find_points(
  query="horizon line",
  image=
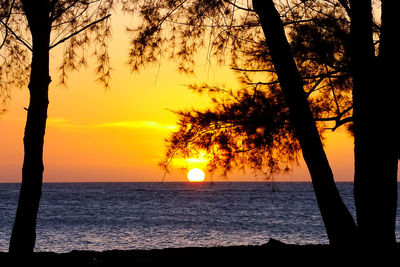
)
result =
(160, 182)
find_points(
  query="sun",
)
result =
(195, 175)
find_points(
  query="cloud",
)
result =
(137, 125)
(60, 122)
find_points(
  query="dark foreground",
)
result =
(274, 253)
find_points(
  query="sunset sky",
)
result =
(118, 134)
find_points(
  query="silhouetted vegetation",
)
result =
(297, 61)
(305, 66)
(30, 30)
(376, 116)
(273, 253)
(243, 129)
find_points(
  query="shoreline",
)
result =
(273, 253)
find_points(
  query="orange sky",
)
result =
(118, 134)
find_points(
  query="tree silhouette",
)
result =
(244, 128)
(30, 30)
(376, 116)
(338, 221)
(304, 51)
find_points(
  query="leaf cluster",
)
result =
(250, 127)
(178, 29)
(14, 66)
(77, 24)
(247, 128)
(84, 29)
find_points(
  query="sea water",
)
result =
(105, 216)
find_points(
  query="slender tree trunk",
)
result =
(389, 112)
(24, 231)
(375, 121)
(339, 223)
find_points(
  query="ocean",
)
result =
(106, 216)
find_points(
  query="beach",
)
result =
(273, 253)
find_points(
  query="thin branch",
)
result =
(16, 36)
(296, 22)
(8, 18)
(326, 119)
(81, 30)
(333, 92)
(249, 25)
(170, 13)
(250, 70)
(325, 75)
(341, 122)
(62, 11)
(71, 20)
(263, 83)
(314, 86)
(337, 117)
(239, 7)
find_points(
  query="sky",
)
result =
(117, 134)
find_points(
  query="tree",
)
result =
(376, 144)
(243, 129)
(338, 221)
(32, 29)
(304, 48)
(13, 70)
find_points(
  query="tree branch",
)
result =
(314, 86)
(239, 7)
(250, 70)
(25, 43)
(54, 16)
(79, 31)
(5, 23)
(337, 117)
(338, 121)
(344, 121)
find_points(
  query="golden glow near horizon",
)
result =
(94, 134)
(200, 162)
(196, 175)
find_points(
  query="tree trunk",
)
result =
(339, 223)
(375, 115)
(24, 231)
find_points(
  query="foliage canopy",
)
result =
(249, 126)
(77, 25)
